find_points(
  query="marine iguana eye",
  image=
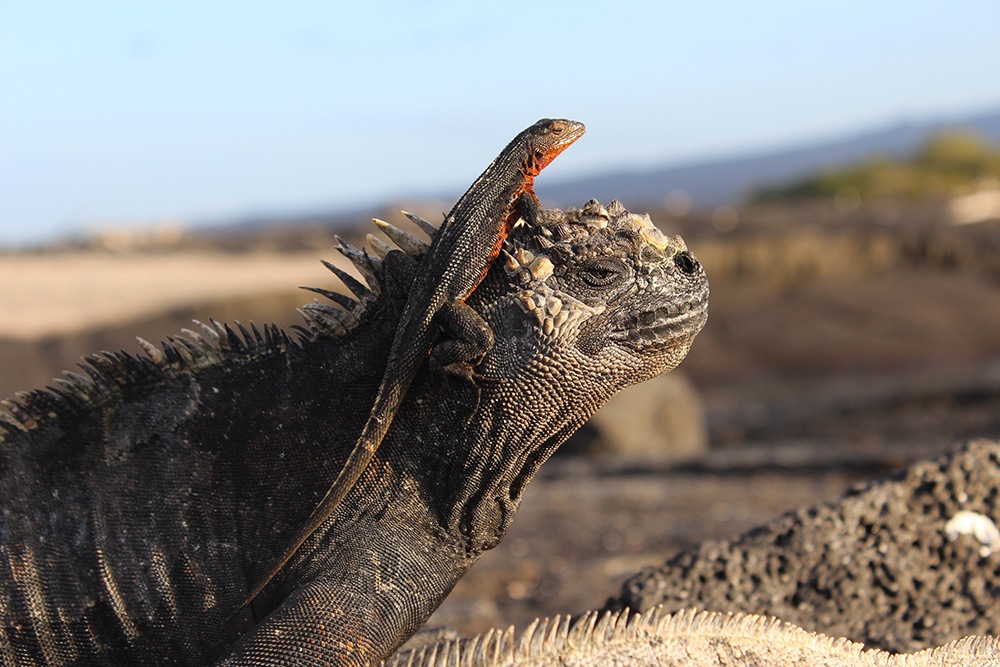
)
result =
(601, 272)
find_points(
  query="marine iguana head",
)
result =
(598, 293)
(581, 304)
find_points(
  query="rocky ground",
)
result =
(836, 351)
(906, 562)
(589, 523)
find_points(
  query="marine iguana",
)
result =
(459, 257)
(142, 502)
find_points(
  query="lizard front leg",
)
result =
(468, 339)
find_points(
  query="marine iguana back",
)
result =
(459, 257)
(141, 503)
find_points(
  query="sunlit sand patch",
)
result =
(68, 292)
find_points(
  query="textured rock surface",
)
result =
(877, 566)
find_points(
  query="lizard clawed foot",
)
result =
(528, 204)
(468, 339)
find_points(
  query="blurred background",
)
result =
(835, 167)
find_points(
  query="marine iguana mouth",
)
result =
(667, 324)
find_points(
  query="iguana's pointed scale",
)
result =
(194, 336)
(283, 336)
(427, 226)
(8, 421)
(76, 380)
(271, 338)
(408, 243)
(15, 407)
(332, 321)
(523, 648)
(258, 338)
(233, 339)
(369, 267)
(249, 342)
(378, 246)
(63, 398)
(193, 350)
(210, 332)
(97, 368)
(170, 353)
(493, 647)
(347, 302)
(64, 386)
(207, 345)
(584, 628)
(189, 353)
(152, 351)
(302, 335)
(350, 282)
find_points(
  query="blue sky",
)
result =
(138, 112)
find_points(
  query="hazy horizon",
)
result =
(119, 112)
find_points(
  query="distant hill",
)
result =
(707, 183)
(728, 180)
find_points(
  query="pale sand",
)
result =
(60, 293)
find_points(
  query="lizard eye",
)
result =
(601, 272)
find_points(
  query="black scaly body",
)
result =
(140, 504)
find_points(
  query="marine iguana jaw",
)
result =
(663, 326)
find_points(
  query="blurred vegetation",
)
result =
(947, 165)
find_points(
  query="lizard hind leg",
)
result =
(468, 338)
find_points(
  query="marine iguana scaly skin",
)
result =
(139, 506)
(459, 257)
(688, 638)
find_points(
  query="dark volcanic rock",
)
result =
(876, 566)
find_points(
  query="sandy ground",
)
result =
(68, 292)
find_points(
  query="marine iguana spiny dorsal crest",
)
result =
(140, 504)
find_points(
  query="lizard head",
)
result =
(548, 138)
(600, 293)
